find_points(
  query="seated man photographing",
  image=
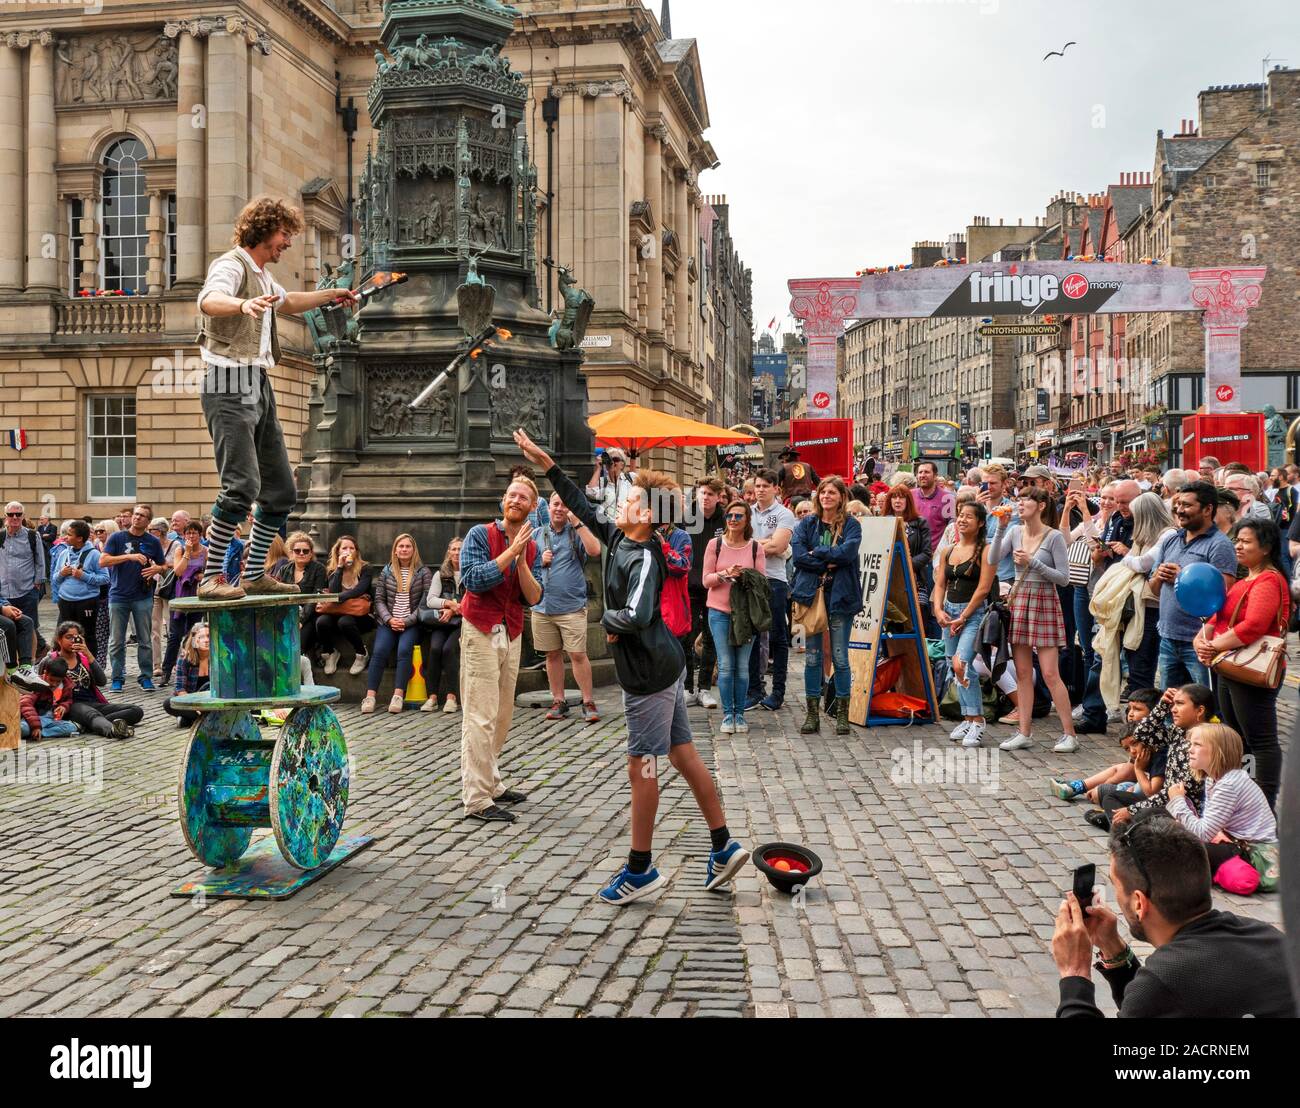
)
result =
(650, 664)
(1207, 964)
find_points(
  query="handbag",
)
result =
(357, 606)
(1265, 857)
(1261, 664)
(813, 618)
(1079, 556)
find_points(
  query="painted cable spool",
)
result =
(233, 779)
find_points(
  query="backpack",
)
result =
(31, 540)
(675, 601)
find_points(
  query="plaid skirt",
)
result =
(1036, 615)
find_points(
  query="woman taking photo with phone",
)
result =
(825, 555)
(1037, 626)
(962, 584)
(1257, 606)
(726, 557)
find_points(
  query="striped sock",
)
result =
(219, 535)
(258, 548)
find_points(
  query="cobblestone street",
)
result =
(936, 898)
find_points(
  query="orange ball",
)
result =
(782, 865)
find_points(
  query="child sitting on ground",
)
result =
(1236, 810)
(1143, 771)
(43, 712)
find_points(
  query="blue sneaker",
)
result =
(147, 684)
(753, 701)
(724, 864)
(772, 702)
(116, 686)
(728, 725)
(628, 886)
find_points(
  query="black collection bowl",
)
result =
(804, 865)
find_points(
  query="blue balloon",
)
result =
(1199, 590)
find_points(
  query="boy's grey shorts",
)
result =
(656, 722)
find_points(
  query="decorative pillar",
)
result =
(681, 210)
(42, 197)
(654, 194)
(1227, 295)
(11, 163)
(191, 126)
(823, 305)
(89, 258)
(156, 251)
(228, 126)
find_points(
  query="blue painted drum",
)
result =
(223, 786)
(309, 786)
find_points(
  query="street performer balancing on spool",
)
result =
(239, 303)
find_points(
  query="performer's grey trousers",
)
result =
(252, 462)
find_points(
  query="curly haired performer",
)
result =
(239, 303)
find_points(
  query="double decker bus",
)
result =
(934, 440)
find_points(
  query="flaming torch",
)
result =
(483, 341)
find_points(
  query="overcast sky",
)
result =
(849, 129)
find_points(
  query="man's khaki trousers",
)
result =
(489, 666)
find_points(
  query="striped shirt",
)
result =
(402, 601)
(1234, 805)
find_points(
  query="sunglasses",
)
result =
(302, 550)
(735, 517)
(1126, 838)
(14, 515)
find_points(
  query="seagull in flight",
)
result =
(1059, 53)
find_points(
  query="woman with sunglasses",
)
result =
(302, 568)
(729, 555)
(85, 676)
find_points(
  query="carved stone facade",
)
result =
(114, 68)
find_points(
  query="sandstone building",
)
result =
(130, 137)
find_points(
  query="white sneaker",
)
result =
(1077, 713)
(707, 699)
(1066, 744)
(959, 732)
(1017, 742)
(367, 705)
(692, 699)
(742, 728)
(728, 727)
(331, 663)
(359, 664)
(974, 737)
(1116, 715)
(430, 705)
(450, 706)
(396, 704)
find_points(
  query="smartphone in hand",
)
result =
(1085, 877)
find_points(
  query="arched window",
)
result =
(126, 208)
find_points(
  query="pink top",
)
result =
(749, 556)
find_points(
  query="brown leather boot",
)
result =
(266, 585)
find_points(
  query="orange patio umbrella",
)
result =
(633, 427)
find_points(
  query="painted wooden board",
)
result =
(269, 600)
(226, 762)
(887, 578)
(255, 651)
(263, 874)
(207, 702)
(10, 716)
(309, 786)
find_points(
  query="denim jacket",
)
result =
(812, 560)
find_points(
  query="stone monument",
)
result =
(446, 197)
(1275, 435)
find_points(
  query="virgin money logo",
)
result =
(1224, 393)
(821, 400)
(1075, 286)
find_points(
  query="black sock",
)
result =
(720, 836)
(638, 861)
